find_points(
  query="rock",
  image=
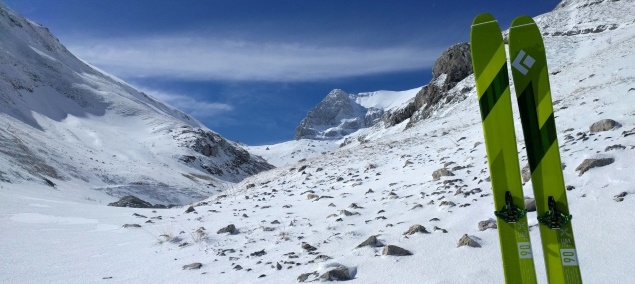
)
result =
(440, 229)
(278, 266)
(131, 201)
(190, 209)
(395, 250)
(526, 173)
(620, 197)
(312, 196)
(436, 175)
(338, 274)
(588, 164)
(372, 241)
(530, 205)
(192, 266)
(258, 253)
(447, 203)
(416, 229)
(451, 67)
(467, 241)
(570, 187)
(303, 277)
(348, 213)
(487, 224)
(308, 247)
(131, 226)
(614, 147)
(231, 229)
(604, 125)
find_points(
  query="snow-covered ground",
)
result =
(68, 234)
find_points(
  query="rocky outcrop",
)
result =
(217, 156)
(452, 67)
(131, 201)
(334, 117)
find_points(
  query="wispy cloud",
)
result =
(197, 108)
(212, 59)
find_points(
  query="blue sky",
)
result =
(251, 70)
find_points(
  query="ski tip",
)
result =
(483, 18)
(522, 21)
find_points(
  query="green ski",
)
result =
(531, 81)
(492, 85)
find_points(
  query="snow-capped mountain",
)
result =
(62, 120)
(341, 114)
(334, 212)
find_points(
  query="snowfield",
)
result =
(310, 214)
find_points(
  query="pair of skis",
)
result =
(531, 80)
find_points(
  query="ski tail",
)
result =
(531, 81)
(492, 84)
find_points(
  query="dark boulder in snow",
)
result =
(530, 205)
(231, 229)
(436, 175)
(192, 266)
(416, 229)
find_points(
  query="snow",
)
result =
(68, 234)
(385, 100)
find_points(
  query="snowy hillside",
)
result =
(63, 121)
(340, 213)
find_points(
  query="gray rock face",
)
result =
(604, 125)
(588, 164)
(217, 156)
(131, 201)
(334, 117)
(396, 251)
(451, 67)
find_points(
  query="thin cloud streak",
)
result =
(196, 108)
(226, 60)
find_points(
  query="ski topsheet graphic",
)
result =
(531, 81)
(492, 84)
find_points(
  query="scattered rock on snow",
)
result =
(440, 229)
(620, 197)
(526, 173)
(436, 175)
(416, 229)
(614, 147)
(312, 196)
(131, 226)
(396, 251)
(530, 205)
(604, 125)
(588, 164)
(304, 276)
(192, 266)
(131, 201)
(190, 209)
(487, 224)
(231, 229)
(341, 273)
(308, 247)
(468, 241)
(372, 241)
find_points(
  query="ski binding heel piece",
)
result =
(553, 218)
(510, 212)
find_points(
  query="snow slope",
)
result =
(63, 121)
(65, 236)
